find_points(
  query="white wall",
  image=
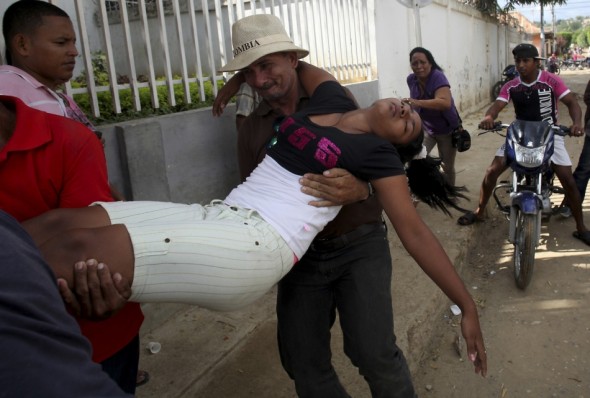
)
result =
(471, 48)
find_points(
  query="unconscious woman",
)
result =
(430, 95)
(228, 254)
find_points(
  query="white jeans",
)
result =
(215, 256)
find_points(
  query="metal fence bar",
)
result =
(209, 41)
(199, 66)
(130, 58)
(114, 88)
(167, 64)
(183, 68)
(148, 50)
(87, 58)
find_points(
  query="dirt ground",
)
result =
(538, 340)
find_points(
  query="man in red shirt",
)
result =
(40, 46)
(47, 162)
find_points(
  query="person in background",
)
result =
(41, 55)
(43, 352)
(535, 94)
(430, 95)
(582, 171)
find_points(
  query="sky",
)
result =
(572, 9)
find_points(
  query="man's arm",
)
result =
(225, 93)
(575, 113)
(587, 102)
(97, 294)
(335, 187)
(44, 352)
(491, 114)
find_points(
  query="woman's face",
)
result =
(394, 121)
(420, 65)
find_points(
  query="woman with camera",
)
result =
(430, 95)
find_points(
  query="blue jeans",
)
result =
(122, 367)
(354, 280)
(582, 172)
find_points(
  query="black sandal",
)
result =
(583, 236)
(142, 378)
(468, 218)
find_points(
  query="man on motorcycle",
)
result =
(535, 94)
(552, 63)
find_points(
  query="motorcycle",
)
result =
(525, 200)
(508, 74)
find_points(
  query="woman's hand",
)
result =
(476, 351)
(335, 187)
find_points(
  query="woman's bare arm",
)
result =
(424, 247)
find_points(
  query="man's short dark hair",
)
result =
(25, 16)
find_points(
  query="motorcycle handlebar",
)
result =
(499, 126)
(561, 130)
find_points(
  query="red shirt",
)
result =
(52, 162)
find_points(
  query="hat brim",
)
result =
(245, 59)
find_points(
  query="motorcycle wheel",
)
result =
(557, 70)
(496, 90)
(524, 248)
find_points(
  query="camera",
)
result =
(461, 139)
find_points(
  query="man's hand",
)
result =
(487, 123)
(335, 187)
(96, 294)
(576, 130)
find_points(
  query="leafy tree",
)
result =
(563, 42)
(545, 3)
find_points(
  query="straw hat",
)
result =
(255, 36)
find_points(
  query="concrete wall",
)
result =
(471, 48)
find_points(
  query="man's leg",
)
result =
(110, 245)
(57, 221)
(122, 366)
(582, 172)
(493, 172)
(564, 173)
(306, 312)
(363, 300)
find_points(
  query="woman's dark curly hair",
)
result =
(426, 180)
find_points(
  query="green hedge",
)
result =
(108, 115)
(105, 103)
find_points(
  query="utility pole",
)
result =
(542, 32)
(553, 28)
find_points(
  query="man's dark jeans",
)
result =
(356, 281)
(582, 172)
(122, 367)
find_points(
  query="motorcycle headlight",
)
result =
(529, 157)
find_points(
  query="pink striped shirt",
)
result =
(18, 83)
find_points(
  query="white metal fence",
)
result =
(175, 46)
